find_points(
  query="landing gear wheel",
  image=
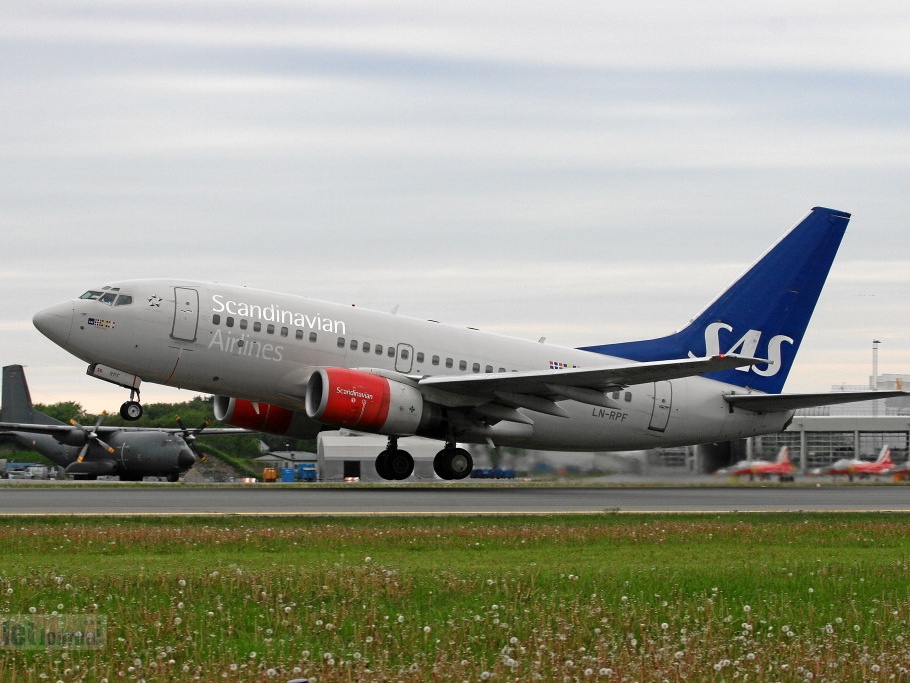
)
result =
(394, 465)
(382, 466)
(131, 410)
(453, 463)
(173, 478)
(400, 464)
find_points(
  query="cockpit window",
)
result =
(109, 296)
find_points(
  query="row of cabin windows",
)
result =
(420, 357)
(366, 347)
(244, 324)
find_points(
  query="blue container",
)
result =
(287, 474)
(306, 471)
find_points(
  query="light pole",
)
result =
(875, 343)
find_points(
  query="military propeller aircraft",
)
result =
(87, 452)
(781, 468)
(290, 365)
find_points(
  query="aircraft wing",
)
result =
(103, 429)
(215, 431)
(775, 403)
(611, 378)
(35, 428)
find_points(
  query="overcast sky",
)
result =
(587, 171)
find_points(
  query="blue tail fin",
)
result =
(763, 314)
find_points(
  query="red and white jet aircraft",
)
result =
(863, 469)
(763, 469)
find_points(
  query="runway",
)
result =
(264, 499)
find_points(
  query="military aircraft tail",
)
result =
(16, 403)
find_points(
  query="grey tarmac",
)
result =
(314, 500)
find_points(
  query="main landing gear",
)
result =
(394, 464)
(453, 462)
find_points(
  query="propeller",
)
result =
(91, 435)
(189, 435)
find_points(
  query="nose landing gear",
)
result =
(132, 409)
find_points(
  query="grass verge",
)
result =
(780, 597)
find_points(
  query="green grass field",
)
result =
(733, 597)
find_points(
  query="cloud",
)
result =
(587, 172)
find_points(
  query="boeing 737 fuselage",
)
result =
(291, 365)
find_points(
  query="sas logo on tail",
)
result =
(747, 345)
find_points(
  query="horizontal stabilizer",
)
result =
(775, 403)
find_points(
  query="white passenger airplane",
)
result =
(291, 365)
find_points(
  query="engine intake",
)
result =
(361, 400)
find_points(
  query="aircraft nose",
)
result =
(185, 459)
(55, 322)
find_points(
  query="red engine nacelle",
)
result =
(264, 417)
(361, 400)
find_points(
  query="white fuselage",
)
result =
(263, 346)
